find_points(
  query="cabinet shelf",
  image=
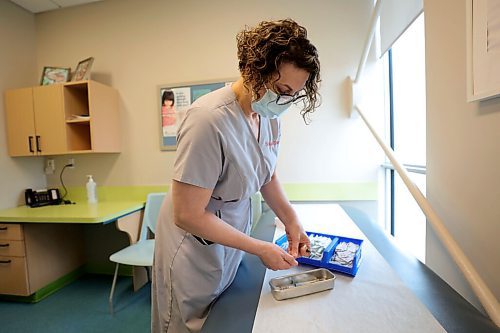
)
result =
(77, 121)
(78, 135)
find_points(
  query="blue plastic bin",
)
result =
(328, 253)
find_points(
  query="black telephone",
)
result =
(38, 198)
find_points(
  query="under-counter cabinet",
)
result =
(65, 118)
(34, 255)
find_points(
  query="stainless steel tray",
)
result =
(303, 283)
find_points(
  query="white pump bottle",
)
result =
(91, 190)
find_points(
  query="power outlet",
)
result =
(71, 162)
(50, 166)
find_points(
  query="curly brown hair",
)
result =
(262, 49)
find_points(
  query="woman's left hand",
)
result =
(298, 242)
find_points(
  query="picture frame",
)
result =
(173, 102)
(483, 49)
(51, 75)
(82, 71)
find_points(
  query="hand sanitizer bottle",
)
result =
(91, 190)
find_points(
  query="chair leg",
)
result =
(113, 290)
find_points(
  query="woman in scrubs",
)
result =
(227, 148)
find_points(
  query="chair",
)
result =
(140, 253)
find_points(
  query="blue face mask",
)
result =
(267, 106)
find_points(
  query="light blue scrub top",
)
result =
(216, 150)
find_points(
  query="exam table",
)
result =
(236, 308)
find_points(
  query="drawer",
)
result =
(11, 231)
(12, 248)
(13, 276)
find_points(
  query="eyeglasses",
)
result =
(284, 99)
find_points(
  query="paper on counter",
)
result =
(376, 300)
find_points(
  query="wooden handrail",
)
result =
(486, 297)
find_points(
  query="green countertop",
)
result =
(114, 202)
(81, 212)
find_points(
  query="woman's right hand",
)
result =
(275, 258)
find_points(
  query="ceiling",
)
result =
(38, 6)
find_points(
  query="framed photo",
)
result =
(174, 100)
(82, 71)
(52, 75)
(483, 49)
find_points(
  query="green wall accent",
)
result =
(117, 193)
(331, 191)
(294, 191)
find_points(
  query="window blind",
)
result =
(395, 17)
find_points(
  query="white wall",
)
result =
(463, 153)
(140, 44)
(17, 69)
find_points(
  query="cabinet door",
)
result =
(20, 122)
(104, 123)
(49, 119)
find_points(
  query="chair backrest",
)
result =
(151, 212)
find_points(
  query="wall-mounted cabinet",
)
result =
(68, 118)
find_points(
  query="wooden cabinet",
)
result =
(34, 255)
(68, 118)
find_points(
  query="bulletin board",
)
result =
(174, 100)
(483, 49)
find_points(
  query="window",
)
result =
(405, 63)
